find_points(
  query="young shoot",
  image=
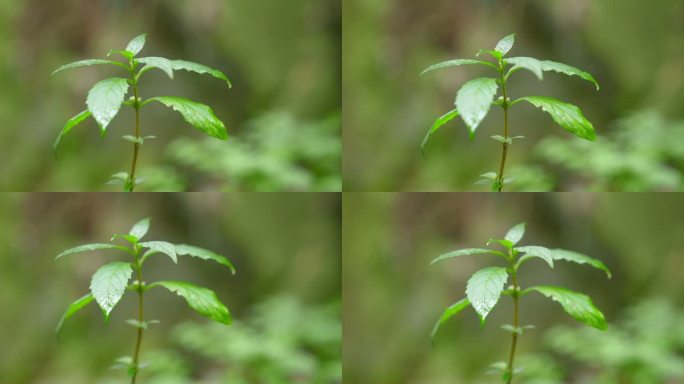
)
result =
(476, 96)
(485, 287)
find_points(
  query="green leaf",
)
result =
(133, 139)
(484, 289)
(183, 65)
(531, 64)
(160, 246)
(568, 116)
(494, 53)
(73, 308)
(503, 242)
(191, 250)
(531, 251)
(447, 314)
(539, 66)
(198, 115)
(474, 100)
(504, 45)
(466, 252)
(85, 63)
(436, 126)
(139, 229)
(202, 300)
(105, 98)
(454, 63)
(136, 45)
(161, 63)
(74, 121)
(127, 54)
(109, 284)
(575, 304)
(574, 257)
(91, 247)
(130, 238)
(518, 330)
(515, 234)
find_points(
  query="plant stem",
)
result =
(504, 105)
(136, 146)
(516, 324)
(141, 317)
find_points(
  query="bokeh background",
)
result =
(285, 298)
(635, 49)
(392, 297)
(282, 115)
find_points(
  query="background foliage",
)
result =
(283, 59)
(386, 104)
(285, 298)
(392, 297)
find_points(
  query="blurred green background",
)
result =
(282, 115)
(634, 48)
(392, 297)
(285, 298)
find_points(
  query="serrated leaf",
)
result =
(474, 100)
(161, 63)
(436, 126)
(465, 252)
(530, 63)
(484, 289)
(515, 234)
(455, 63)
(84, 63)
(575, 304)
(574, 257)
(504, 45)
(198, 115)
(136, 45)
(139, 229)
(447, 314)
(202, 300)
(568, 116)
(105, 98)
(191, 250)
(539, 66)
(535, 251)
(189, 66)
(72, 309)
(90, 247)
(74, 121)
(160, 246)
(109, 284)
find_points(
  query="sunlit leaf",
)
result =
(91, 247)
(85, 63)
(568, 116)
(105, 98)
(139, 229)
(198, 115)
(574, 257)
(201, 253)
(454, 63)
(202, 300)
(504, 45)
(575, 304)
(109, 284)
(136, 45)
(466, 252)
(199, 68)
(474, 100)
(484, 289)
(515, 234)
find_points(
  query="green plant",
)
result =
(106, 97)
(476, 96)
(110, 282)
(485, 287)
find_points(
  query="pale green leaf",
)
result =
(202, 300)
(515, 234)
(494, 53)
(436, 126)
(161, 63)
(548, 65)
(575, 304)
(568, 116)
(198, 115)
(127, 54)
(105, 98)
(531, 251)
(456, 62)
(484, 289)
(504, 45)
(531, 64)
(74, 121)
(139, 229)
(447, 314)
(574, 257)
(91, 247)
(465, 252)
(109, 284)
(73, 308)
(474, 100)
(136, 45)
(85, 63)
(160, 246)
(201, 253)
(199, 68)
